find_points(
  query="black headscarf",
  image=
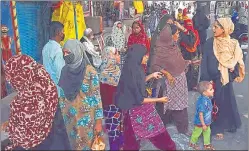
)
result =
(200, 19)
(160, 26)
(131, 89)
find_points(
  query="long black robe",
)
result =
(228, 118)
(193, 70)
(201, 23)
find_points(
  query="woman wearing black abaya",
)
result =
(201, 24)
(222, 63)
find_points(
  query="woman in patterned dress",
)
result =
(141, 118)
(119, 40)
(81, 102)
(109, 78)
(167, 58)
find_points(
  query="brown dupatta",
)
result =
(167, 56)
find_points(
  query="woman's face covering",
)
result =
(217, 29)
(176, 36)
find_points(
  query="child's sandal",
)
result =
(209, 147)
(194, 146)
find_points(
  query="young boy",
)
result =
(203, 116)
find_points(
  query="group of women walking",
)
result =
(120, 93)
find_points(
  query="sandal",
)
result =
(194, 146)
(219, 136)
(209, 147)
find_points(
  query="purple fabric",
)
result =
(146, 121)
(162, 141)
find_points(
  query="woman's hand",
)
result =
(157, 75)
(171, 79)
(179, 26)
(231, 70)
(196, 62)
(98, 126)
(4, 126)
(163, 100)
(117, 57)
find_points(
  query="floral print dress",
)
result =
(80, 114)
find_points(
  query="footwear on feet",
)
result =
(209, 147)
(194, 146)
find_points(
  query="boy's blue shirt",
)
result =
(204, 105)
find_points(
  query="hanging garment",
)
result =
(65, 15)
(139, 6)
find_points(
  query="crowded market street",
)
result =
(94, 92)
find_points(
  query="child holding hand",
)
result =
(203, 116)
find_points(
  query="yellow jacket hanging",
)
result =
(65, 15)
(139, 6)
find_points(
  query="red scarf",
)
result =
(197, 38)
(140, 38)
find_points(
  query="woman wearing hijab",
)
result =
(201, 24)
(119, 40)
(109, 78)
(141, 118)
(80, 102)
(167, 58)
(32, 111)
(139, 36)
(91, 51)
(165, 20)
(189, 44)
(222, 63)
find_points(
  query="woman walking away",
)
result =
(139, 36)
(81, 104)
(201, 24)
(222, 63)
(32, 112)
(109, 78)
(189, 44)
(141, 118)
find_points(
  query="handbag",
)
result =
(98, 143)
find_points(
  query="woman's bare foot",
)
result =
(194, 146)
(219, 136)
(209, 147)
